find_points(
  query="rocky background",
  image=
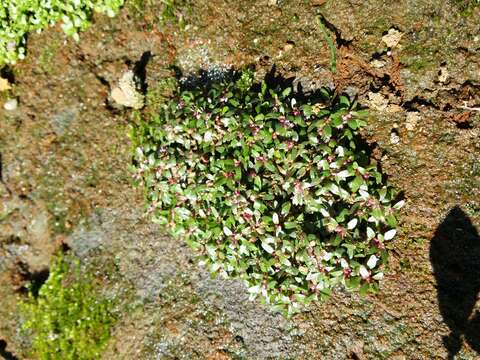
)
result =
(65, 179)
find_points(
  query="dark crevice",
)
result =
(417, 102)
(447, 107)
(102, 80)
(465, 125)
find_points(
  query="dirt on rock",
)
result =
(65, 180)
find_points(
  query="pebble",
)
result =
(4, 84)
(394, 108)
(11, 104)
(288, 47)
(412, 120)
(443, 74)
(394, 138)
(392, 38)
(378, 64)
(377, 101)
(126, 93)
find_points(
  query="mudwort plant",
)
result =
(268, 186)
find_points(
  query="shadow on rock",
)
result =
(4, 354)
(455, 256)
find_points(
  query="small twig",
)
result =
(468, 107)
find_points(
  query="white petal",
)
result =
(343, 174)
(364, 273)
(267, 248)
(390, 234)
(340, 151)
(275, 218)
(325, 255)
(399, 205)
(208, 136)
(363, 194)
(370, 233)
(243, 250)
(227, 231)
(351, 224)
(324, 212)
(372, 262)
(254, 289)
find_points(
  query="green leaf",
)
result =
(356, 183)
(286, 208)
(327, 130)
(258, 182)
(286, 92)
(290, 225)
(353, 124)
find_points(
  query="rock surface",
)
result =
(65, 156)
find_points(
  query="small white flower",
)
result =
(399, 205)
(372, 262)
(325, 255)
(208, 136)
(364, 273)
(343, 174)
(275, 219)
(340, 151)
(351, 224)
(267, 248)
(390, 234)
(370, 233)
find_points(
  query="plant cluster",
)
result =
(66, 319)
(19, 17)
(268, 186)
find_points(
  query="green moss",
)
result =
(66, 318)
(47, 56)
(466, 7)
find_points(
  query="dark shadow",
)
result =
(140, 70)
(4, 354)
(7, 73)
(33, 280)
(455, 257)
